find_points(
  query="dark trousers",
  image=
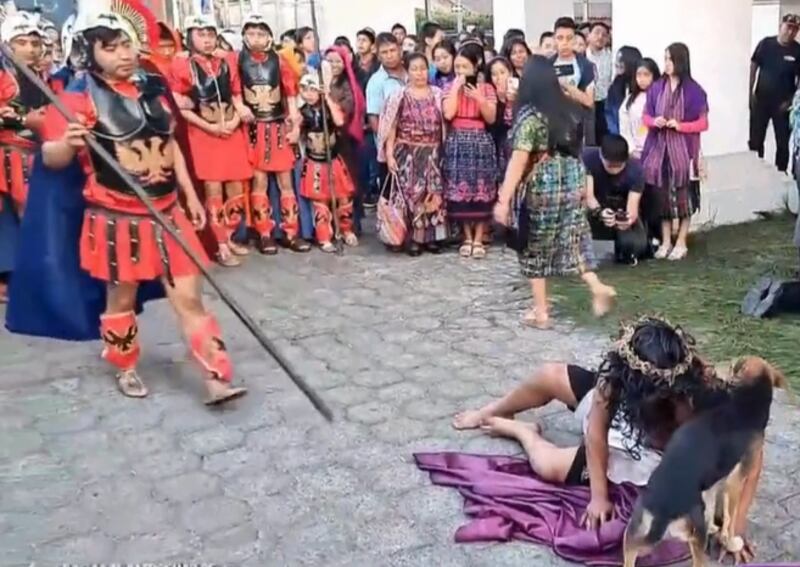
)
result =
(760, 116)
(600, 125)
(629, 245)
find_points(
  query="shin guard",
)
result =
(120, 335)
(209, 350)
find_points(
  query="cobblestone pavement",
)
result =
(396, 345)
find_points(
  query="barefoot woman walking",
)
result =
(546, 160)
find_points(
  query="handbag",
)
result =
(392, 214)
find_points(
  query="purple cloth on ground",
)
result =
(507, 501)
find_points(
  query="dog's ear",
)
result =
(779, 380)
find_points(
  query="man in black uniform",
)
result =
(774, 73)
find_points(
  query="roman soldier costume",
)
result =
(212, 82)
(268, 82)
(120, 241)
(318, 172)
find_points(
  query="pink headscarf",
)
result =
(356, 127)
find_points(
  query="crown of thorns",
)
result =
(624, 348)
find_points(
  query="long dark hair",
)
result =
(640, 404)
(623, 84)
(509, 46)
(651, 66)
(473, 52)
(541, 90)
(681, 61)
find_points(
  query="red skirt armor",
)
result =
(314, 184)
(15, 167)
(219, 159)
(269, 150)
(127, 248)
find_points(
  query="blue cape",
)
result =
(49, 294)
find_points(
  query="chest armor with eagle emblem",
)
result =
(261, 83)
(27, 99)
(314, 133)
(212, 94)
(138, 132)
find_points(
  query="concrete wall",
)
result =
(533, 16)
(720, 63)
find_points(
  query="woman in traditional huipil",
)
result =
(676, 113)
(470, 161)
(546, 160)
(413, 151)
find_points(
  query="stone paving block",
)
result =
(213, 515)
(215, 440)
(94, 548)
(15, 444)
(154, 547)
(188, 488)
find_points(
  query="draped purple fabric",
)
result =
(507, 501)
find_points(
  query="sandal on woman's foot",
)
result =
(350, 239)
(327, 247)
(220, 392)
(238, 249)
(414, 250)
(226, 258)
(678, 253)
(131, 385)
(466, 250)
(534, 320)
(478, 251)
(267, 246)
(299, 245)
(662, 253)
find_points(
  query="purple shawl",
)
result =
(687, 104)
(506, 501)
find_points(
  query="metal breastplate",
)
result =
(27, 99)
(261, 86)
(138, 133)
(211, 94)
(314, 134)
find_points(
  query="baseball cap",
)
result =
(792, 20)
(310, 81)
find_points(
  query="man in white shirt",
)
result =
(598, 52)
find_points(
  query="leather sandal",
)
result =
(238, 249)
(267, 246)
(299, 245)
(220, 392)
(131, 385)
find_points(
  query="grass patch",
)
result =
(704, 292)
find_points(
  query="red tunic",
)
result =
(16, 153)
(120, 241)
(214, 159)
(269, 150)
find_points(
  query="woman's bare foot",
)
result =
(603, 300)
(470, 419)
(511, 428)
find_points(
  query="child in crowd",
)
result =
(315, 183)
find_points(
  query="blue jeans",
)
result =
(303, 204)
(368, 176)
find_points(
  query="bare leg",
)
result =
(550, 462)
(666, 240)
(683, 233)
(549, 382)
(479, 249)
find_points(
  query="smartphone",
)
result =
(621, 216)
(472, 80)
(564, 70)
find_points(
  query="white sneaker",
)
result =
(678, 253)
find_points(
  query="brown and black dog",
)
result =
(705, 465)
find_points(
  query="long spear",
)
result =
(226, 297)
(328, 155)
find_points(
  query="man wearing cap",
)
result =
(269, 108)
(774, 73)
(216, 139)
(20, 111)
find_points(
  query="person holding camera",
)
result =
(615, 186)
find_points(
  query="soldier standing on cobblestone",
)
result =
(121, 244)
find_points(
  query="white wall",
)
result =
(720, 61)
(346, 17)
(766, 19)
